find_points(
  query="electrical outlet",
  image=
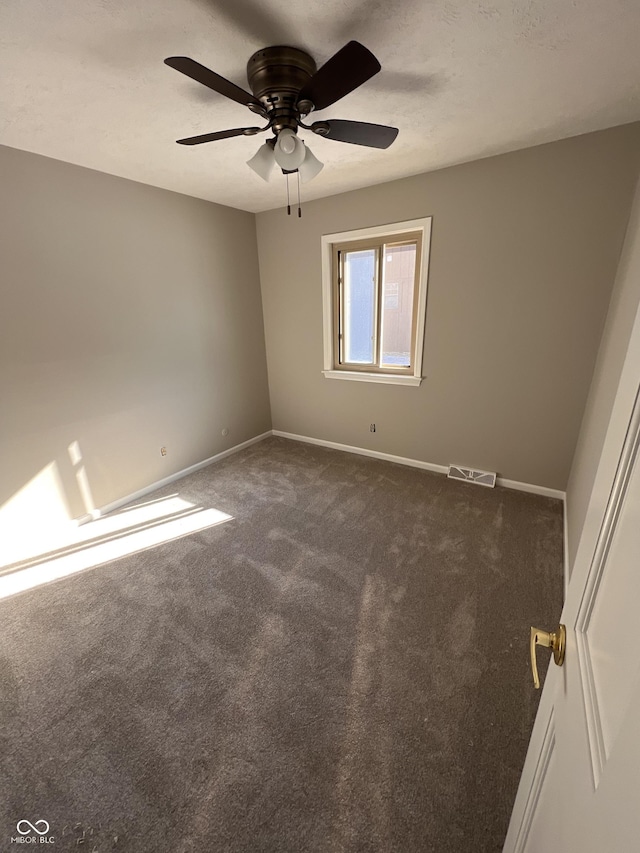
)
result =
(372, 427)
(163, 451)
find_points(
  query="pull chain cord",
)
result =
(288, 202)
(299, 208)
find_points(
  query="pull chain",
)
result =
(288, 202)
(299, 208)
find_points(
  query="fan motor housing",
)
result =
(276, 75)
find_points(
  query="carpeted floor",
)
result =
(341, 667)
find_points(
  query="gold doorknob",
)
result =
(556, 641)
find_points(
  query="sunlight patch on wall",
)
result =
(36, 519)
(75, 455)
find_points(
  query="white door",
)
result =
(580, 788)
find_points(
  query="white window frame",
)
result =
(327, 242)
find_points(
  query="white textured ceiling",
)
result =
(84, 81)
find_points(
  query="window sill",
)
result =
(384, 378)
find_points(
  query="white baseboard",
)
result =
(363, 451)
(418, 463)
(333, 445)
(110, 507)
(532, 488)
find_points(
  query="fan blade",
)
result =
(349, 68)
(357, 132)
(220, 134)
(209, 78)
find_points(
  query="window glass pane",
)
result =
(398, 281)
(359, 306)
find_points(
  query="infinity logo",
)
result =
(32, 827)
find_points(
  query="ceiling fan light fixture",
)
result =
(286, 86)
(310, 166)
(289, 150)
(263, 161)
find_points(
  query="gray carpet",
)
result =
(342, 667)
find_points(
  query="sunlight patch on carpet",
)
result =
(111, 537)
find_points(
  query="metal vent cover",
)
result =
(472, 475)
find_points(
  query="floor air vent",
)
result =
(482, 478)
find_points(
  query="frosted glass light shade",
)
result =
(291, 155)
(289, 150)
(310, 166)
(263, 162)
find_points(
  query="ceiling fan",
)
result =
(286, 87)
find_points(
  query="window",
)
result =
(374, 302)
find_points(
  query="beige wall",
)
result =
(130, 318)
(524, 252)
(613, 348)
